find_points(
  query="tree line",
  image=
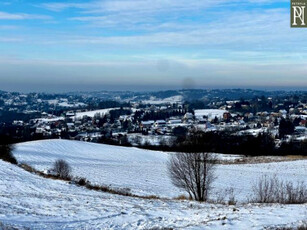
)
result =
(228, 143)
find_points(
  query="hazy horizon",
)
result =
(152, 89)
(146, 45)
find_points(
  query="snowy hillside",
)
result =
(144, 171)
(29, 201)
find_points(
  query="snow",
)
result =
(94, 112)
(303, 138)
(53, 102)
(174, 99)
(68, 105)
(168, 100)
(143, 171)
(254, 132)
(52, 119)
(29, 201)
(210, 113)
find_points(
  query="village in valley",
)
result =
(153, 119)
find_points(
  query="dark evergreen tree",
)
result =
(286, 127)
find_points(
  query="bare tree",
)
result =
(62, 169)
(193, 172)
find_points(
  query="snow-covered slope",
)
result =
(29, 201)
(144, 171)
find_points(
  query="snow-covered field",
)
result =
(31, 202)
(210, 113)
(168, 100)
(68, 105)
(93, 113)
(144, 171)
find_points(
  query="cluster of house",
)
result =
(90, 126)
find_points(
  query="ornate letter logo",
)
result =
(298, 13)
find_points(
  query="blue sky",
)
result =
(149, 45)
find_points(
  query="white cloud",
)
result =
(8, 27)
(148, 6)
(127, 5)
(4, 39)
(20, 16)
(266, 29)
(60, 6)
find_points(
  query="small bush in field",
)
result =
(226, 196)
(62, 169)
(82, 182)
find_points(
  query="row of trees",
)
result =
(162, 115)
(228, 143)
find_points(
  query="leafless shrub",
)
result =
(220, 198)
(82, 181)
(62, 169)
(193, 172)
(226, 196)
(274, 190)
(231, 197)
